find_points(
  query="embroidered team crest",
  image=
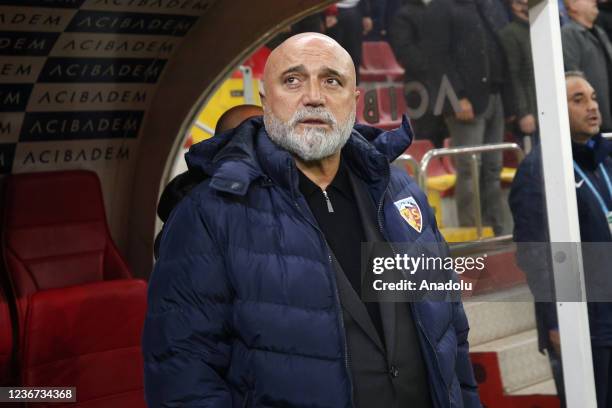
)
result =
(410, 211)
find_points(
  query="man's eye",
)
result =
(291, 80)
(333, 81)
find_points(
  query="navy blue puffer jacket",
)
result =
(243, 309)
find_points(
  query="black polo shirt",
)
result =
(343, 228)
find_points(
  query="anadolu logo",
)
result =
(411, 213)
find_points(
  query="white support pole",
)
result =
(562, 210)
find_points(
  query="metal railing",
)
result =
(474, 152)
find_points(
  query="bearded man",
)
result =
(255, 299)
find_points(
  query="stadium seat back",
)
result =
(378, 62)
(6, 340)
(388, 105)
(419, 147)
(55, 232)
(87, 337)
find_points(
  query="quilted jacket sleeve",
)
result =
(186, 344)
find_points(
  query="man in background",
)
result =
(587, 48)
(419, 35)
(593, 171)
(516, 41)
(477, 74)
(354, 22)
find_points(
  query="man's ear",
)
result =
(357, 94)
(262, 92)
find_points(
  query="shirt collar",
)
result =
(341, 182)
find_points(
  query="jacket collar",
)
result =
(237, 158)
(582, 28)
(576, 24)
(590, 154)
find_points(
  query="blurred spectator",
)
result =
(419, 35)
(383, 12)
(586, 48)
(563, 17)
(477, 75)
(331, 17)
(593, 170)
(314, 23)
(377, 13)
(496, 13)
(516, 42)
(604, 19)
(392, 7)
(354, 21)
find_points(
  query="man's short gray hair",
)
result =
(574, 74)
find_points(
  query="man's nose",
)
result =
(313, 95)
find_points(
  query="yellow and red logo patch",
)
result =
(411, 213)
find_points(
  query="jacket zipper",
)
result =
(330, 208)
(337, 295)
(338, 304)
(379, 217)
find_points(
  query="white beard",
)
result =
(314, 143)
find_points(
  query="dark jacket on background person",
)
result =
(590, 51)
(528, 204)
(452, 38)
(478, 66)
(420, 36)
(516, 41)
(604, 18)
(243, 305)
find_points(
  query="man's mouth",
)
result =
(314, 122)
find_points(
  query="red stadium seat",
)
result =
(256, 61)
(368, 107)
(378, 63)
(6, 341)
(390, 117)
(509, 157)
(56, 233)
(88, 337)
(80, 314)
(400, 99)
(418, 148)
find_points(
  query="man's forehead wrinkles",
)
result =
(318, 70)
